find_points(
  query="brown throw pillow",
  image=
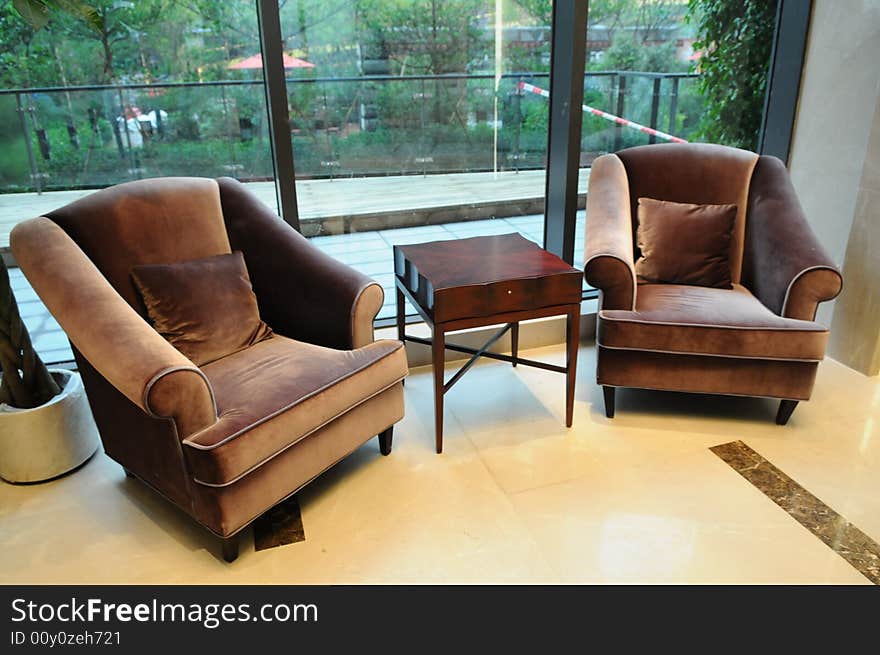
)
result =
(206, 307)
(685, 244)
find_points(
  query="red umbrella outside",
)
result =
(256, 61)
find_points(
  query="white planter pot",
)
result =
(47, 441)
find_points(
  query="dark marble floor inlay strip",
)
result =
(841, 536)
(280, 526)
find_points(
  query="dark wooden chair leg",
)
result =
(385, 441)
(609, 401)
(230, 548)
(786, 408)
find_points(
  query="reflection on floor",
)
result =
(515, 497)
(368, 252)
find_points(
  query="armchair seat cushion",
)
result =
(672, 318)
(278, 392)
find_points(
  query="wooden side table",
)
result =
(468, 283)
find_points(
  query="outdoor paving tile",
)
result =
(360, 245)
(403, 239)
(341, 238)
(364, 257)
(386, 280)
(372, 268)
(473, 225)
(390, 311)
(486, 230)
(25, 294)
(418, 229)
(525, 221)
(31, 308)
(40, 323)
(18, 284)
(60, 355)
(17, 278)
(50, 341)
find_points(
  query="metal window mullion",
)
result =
(567, 63)
(275, 85)
(784, 77)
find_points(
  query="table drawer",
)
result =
(506, 296)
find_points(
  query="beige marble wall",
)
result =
(831, 160)
(855, 328)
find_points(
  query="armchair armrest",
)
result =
(608, 244)
(784, 264)
(303, 293)
(116, 341)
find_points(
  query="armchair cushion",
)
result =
(205, 308)
(683, 243)
(276, 393)
(701, 321)
(329, 304)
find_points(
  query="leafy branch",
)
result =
(37, 13)
(735, 37)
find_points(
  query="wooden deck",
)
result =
(356, 221)
(347, 205)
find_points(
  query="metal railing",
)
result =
(340, 126)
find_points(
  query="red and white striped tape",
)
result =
(525, 86)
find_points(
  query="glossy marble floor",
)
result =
(515, 497)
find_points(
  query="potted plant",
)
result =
(46, 426)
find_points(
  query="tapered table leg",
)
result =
(401, 315)
(514, 342)
(438, 359)
(573, 333)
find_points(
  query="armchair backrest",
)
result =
(698, 173)
(153, 221)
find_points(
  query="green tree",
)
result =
(625, 54)
(541, 10)
(736, 38)
(24, 57)
(629, 54)
(37, 13)
(428, 38)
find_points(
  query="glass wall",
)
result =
(409, 123)
(693, 71)
(673, 70)
(410, 120)
(156, 89)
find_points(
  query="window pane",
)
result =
(162, 89)
(692, 71)
(166, 96)
(409, 124)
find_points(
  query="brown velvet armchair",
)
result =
(758, 338)
(228, 440)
